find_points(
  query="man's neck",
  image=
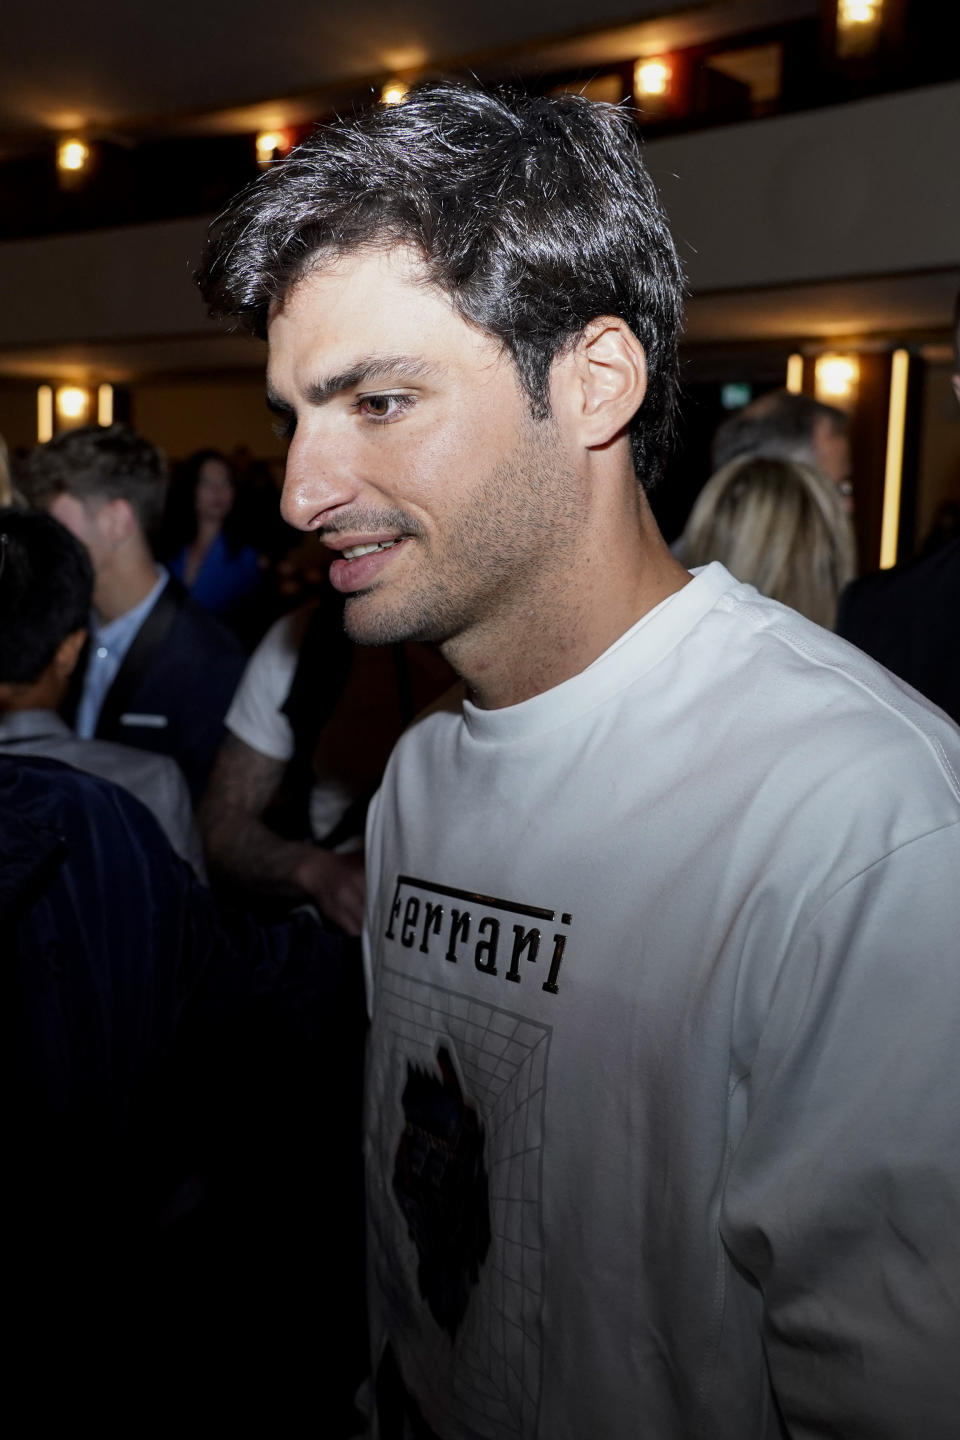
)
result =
(123, 584)
(45, 693)
(559, 633)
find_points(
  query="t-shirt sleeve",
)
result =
(255, 716)
(842, 1200)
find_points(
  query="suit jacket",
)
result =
(155, 780)
(173, 689)
(132, 1012)
(908, 618)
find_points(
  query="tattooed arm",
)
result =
(244, 850)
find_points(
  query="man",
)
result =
(46, 586)
(790, 427)
(908, 617)
(309, 732)
(662, 918)
(137, 1021)
(161, 672)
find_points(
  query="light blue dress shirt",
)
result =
(108, 647)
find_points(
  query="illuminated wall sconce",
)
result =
(795, 374)
(44, 413)
(893, 468)
(651, 78)
(73, 403)
(104, 404)
(73, 155)
(271, 144)
(858, 26)
(835, 379)
(394, 92)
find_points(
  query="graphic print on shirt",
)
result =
(478, 928)
(494, 1065)
(441, 1184)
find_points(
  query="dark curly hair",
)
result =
(179, 524)
(96, 462)
(46, 587)
(534, 215)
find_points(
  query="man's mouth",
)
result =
(355, 551)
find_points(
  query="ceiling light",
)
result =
(835, 377)
(858, 12)
(651, 77)
(858, 26)
(72, 402)
(72, 154)
(270, 144)
(394, 92)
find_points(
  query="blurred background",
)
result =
(806, 149)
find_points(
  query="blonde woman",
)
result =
(778, 525)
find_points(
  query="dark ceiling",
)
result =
(126, 68)
(120, 65)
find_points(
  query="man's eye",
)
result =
(285, 427)
(384, 407)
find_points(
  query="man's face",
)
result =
(84, 519)
(415, 457)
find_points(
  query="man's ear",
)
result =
(68, 653)
(605, 377)
(117, 520)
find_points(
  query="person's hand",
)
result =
(336, 883)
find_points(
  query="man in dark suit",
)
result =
(160, 672)
(908, 618)
(154, 1048)
(46, 584)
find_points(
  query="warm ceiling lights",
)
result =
(835, 378)
(651, 77)
(72, 155)
(858, 26)
(72, 402)
(394, 92)
(270, 144)
(858, 12)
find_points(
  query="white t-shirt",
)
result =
(255, 715)
(663, 1094)
(366, 717)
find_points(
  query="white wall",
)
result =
(868, 188)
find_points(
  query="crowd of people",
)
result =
(656, 874)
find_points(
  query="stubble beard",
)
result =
(490, 572)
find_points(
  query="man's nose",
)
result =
(317, 482)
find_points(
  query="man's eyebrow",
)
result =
(379, 368)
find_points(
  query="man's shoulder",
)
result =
(47, 793)
(137, 770)
(841, 721)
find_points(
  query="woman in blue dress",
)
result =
(204, 542)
